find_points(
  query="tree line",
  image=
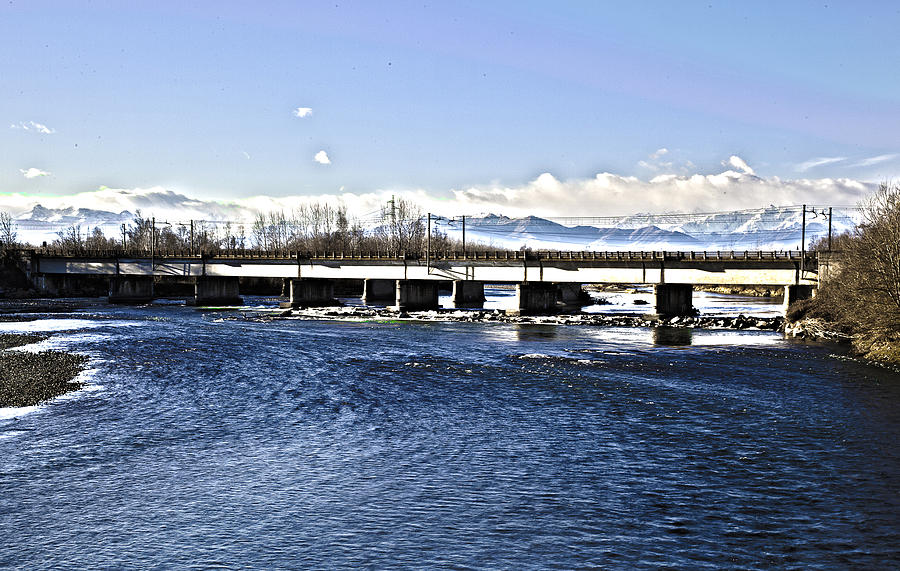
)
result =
(400, 228)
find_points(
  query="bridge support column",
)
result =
(375, 291)
(311, 292)
(673, 299)
(571, 296)
(468, 293)
(56, 285)
(131, 289)
(417, 295)
(535, 298)
(217, 290)
(794, 293)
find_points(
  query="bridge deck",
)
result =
(712, 268)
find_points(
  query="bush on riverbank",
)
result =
(27, 379)
(862, 299)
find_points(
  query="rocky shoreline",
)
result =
(740, 322)
(881, 351)
(815, 329)
(27, 378)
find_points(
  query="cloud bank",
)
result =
(605, 194)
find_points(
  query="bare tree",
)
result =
(8, 237)
(863, 296)
(871, 276)
(97, 240)
(403, 227)
(70, 239)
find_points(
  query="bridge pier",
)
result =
(131, 289)
(312, 292)
(468, 293)
(375, 290)
(571, 296)
(217, 290)
(535, 298)
(69, 285)
(417, 295)
(794, 293)
(673, 299)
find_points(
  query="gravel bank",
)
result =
(27, 379)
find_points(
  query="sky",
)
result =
(545, 108)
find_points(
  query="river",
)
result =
(223, 440)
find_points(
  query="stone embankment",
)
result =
(27, 378)
(486, 316)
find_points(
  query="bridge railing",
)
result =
(490, 255)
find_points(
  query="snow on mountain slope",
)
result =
(764, 229)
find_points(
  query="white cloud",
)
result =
(302, 112)
(33, 172)
(605, 194)
(654, 164)
(818, 162)
(612, 194)
(875, 160)
(33, 127)
(322, 158)
(739, 163)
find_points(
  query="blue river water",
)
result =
(219, 440)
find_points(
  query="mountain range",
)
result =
(773, 228)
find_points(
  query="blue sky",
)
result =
(435, 97)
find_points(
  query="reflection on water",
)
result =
(637, 300)
(536, 332)
(672, 336)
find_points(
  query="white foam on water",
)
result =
(10, 412)
(534, 356)
(51, 325)
(62, 343)
(712, 338)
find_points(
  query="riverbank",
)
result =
(27, 378)
(816, 320)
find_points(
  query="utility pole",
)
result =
(803, 242)
(192, 237)
(464, 236)
(124, 239)
(829, 228)
(395, 234)
(428, 246)
(152, 244)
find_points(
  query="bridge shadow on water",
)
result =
(673, 336)
(662, 336)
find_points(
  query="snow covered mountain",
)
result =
(42, 224)
(84, 216)
(773, 228)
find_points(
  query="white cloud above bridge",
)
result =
(604, 194)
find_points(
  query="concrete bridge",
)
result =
(410, 282)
